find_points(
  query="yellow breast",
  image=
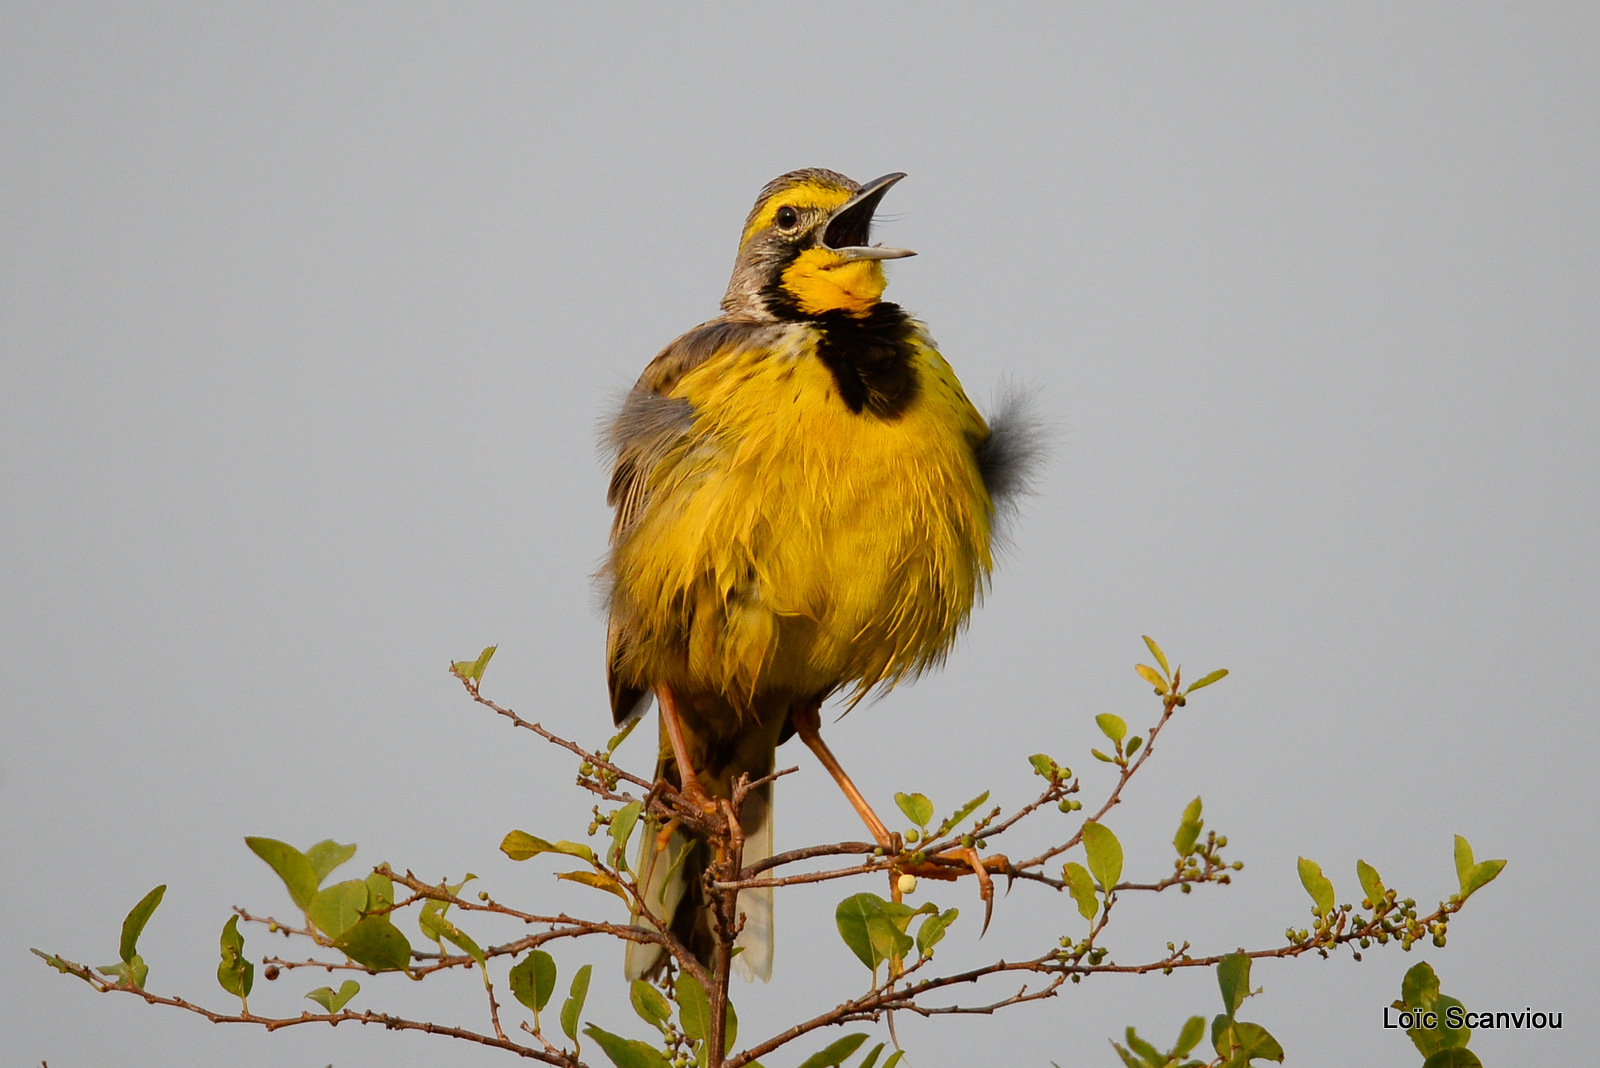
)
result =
(792, 545)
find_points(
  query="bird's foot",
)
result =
(955, 863)
(692, 798)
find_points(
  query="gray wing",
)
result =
(649, 430)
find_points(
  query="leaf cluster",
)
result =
(688, 1015)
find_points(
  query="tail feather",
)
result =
(755, 906)
(670, 881)
(663, 886)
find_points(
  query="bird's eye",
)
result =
(787, 218)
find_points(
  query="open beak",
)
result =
(848, 232)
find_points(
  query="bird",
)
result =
(805, 505)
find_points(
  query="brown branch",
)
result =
(275, 1023)
(570, 927)
(553, 739)
(1018, 998)
(1115, 797)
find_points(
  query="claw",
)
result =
(952, 865)
(985, 885)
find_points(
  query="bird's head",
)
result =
(805, 248)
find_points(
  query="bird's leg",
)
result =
(670, 722)
(807, 722)
(951, 865)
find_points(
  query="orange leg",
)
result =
(670, 722)
(808, 725)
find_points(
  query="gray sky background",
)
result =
(308, 313)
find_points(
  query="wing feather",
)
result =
(649, 430)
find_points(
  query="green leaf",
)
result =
(1473, 877)
(572, 1008)
(867, 928)
(1371, 885)
(133, 925)
(894, 1058)
(626, 1052)
(335, 909)
(1317, 885)
(1133, 744)
(596, 880)
(1153, 677)
(1101, 756)
(900, 914)
(1145, 1050)
(622, 735)
(1155, 651)
(1233, 976)
(649, 1004)
(430, 919)
(327, 855)
(1206, 680)
(1188, 829)
(1112, 726)
(694, 1008)
(1464, 864)
(836, 1053)
(1219, 1033)
(331, 1001)
(473, 670)
(380, 892)
(533, 980)
(1105, 854)
(1246, 1041)
(1451, 1037)
(375, 942)
(1044, 766)
(872, 1056)
(1193, 1031)
(436, 926)
(520, 845)
(622, 823)
(1128, 1059)
(694, 1012)
(969, 808)
(917, 807)
(1419, 989)
(54, 961)
(1453, 1058)
(1081, 886)
(133, 971)
(293, 867)
(463, 941)
(234, 973)
(932, 929)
